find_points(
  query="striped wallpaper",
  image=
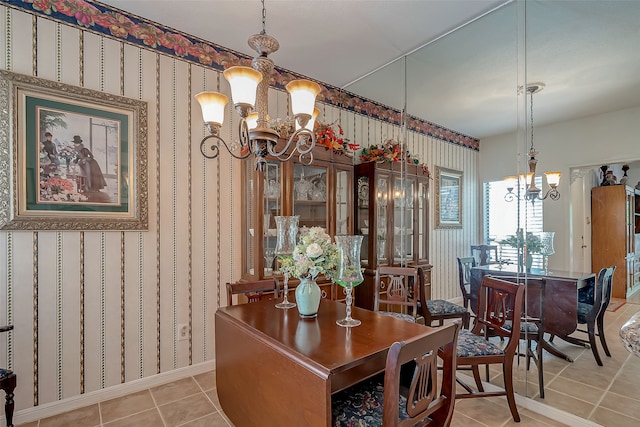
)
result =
(95, 309)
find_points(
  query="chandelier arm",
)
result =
(510, 197)
(215, 148)
(302, 144)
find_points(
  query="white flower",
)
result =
(314, 250)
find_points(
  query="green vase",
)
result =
(308, 296)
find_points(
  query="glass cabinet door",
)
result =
(423, 218)
(310, 195)
(272, 207)
(380, 229)
(362, 215)
(403, 198)
(344, 186)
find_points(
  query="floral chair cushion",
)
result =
(361, 405)
(401, 316)
(470, 344)
(440, 306)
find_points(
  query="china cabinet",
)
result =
(392, 213)
(615, 230)
(320, 193)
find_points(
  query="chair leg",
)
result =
(9, 404)
(603, 341)
(592, 342)
(539, 365)
(476, 376)
(507, 373)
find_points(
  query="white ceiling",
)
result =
(586, 52)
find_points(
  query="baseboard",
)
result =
(541, 408)
(93, 397)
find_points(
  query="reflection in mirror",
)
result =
(587, 116)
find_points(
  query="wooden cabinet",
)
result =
(615, 235)
(392, 212)
(320, 193)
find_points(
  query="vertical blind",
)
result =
(503, 218)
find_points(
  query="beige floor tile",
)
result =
(148, 418)
(126, 405)
(567, 403)
(88, 416)
(461, 420)
(175, 390)
(539, 417)
(213, 396)
(207, 380)
(623, 404)
(610, 418)
(187, 409)
(575, 389)
(212, 420)
(492, 411)
(31, 424)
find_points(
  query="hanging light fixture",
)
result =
(533, 193)
(249, 91)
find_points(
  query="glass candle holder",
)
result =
(349, 272)
(287, 231)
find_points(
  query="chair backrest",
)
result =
(254, 291)
(500, 311)
(420, 356)
(464, 272)
(602, 296)
(485, 254)
(397, 288)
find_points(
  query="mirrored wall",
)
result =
(468, 81)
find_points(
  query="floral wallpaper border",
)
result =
(117, 24)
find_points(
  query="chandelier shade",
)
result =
(212, 105)
(244, 82)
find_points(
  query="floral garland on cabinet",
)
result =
(390, 151)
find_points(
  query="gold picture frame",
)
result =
(448, 198)
(77, 158)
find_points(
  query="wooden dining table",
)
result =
(274, 368)
(560, 301)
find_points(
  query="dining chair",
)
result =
(394, 292)
(465, 265)
(407, 393)
(485, 254)
(439, 309)
(8, 385)
(500, 308)
(254, 291)
(593, 301)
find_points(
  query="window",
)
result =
(503, 218)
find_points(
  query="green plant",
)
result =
(533, 242)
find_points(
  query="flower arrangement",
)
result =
(56, 184)
(390, 151)
(67, 153)
(314, 254)
(333, 138)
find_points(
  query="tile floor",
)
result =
(608, 395)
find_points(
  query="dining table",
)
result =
(559, 297)
(274, 368)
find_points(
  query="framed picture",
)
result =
(448, 198)
(77, 157)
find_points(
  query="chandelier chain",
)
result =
(531, 111)
(264, 19)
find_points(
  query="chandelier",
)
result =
(249, 91)
(533, 193)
